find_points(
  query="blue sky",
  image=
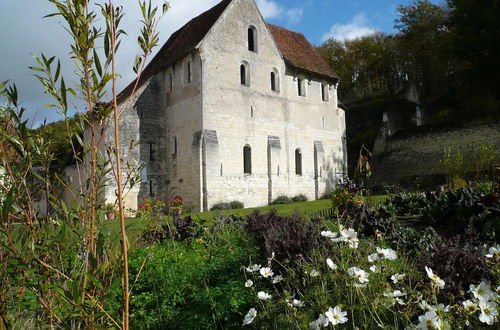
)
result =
(23, 31)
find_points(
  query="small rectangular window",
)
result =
(188, 72)
(324, 92)
(151, 187)
(301, 86)
(151, 151)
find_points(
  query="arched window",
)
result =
(275, 81)
(244, 74)
(298, 162)
(247, 159)
(252, 39)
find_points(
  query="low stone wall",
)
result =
(402, 159)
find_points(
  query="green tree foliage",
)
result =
(423, 36)
(475, 35)
(60, 135)
(368, 66)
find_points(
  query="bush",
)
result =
(405, 204)
(285, 236)
(459, 261)
(199, 286)
(282, 200)
(227, 206)
(299, 198)
(454, 211)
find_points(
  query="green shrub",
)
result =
(192, 285)
(283, 236)
(282, 200)
(405, 204)
(299, 198)
(227, 206)
(236, 205)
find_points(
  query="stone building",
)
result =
(233, 108)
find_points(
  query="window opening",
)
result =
(247, 160)
(298, 162)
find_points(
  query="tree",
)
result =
(475, 35)
(423, 35)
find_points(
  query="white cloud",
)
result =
(294, 15)
(269, 9)
(356, 28)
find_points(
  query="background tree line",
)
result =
(449, 52)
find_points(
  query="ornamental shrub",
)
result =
(405, 204)
(299, 198)
(286, 236)
(282, 200)
(227, 206)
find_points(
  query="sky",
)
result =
(24, 31)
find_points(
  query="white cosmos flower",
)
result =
(434, 277)
(374, 269)
(297, 303)
(266, 272)
(331, 264)
(314, 273)
(329, 234)
(263, 295)
(277, 278)
(358, 273)
(322, 321)
(494, 252)
(336, 315)
(395, 293)
(428, 321)
(252, 313)
(381, 254)
(482, 291)
(388, 254)
(398, 278)
(373, 257)
(350, 236)
(489, 312)
(470, 306)
(253, 268)
(248, 283)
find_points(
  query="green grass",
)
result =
(136, 225)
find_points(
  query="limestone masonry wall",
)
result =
(419, 155)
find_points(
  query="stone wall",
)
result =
(404, 158)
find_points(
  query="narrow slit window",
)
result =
(244, 74)
(171, 82)
(188, 72)
(273, 81)
(247, 160)
(324, 92)
(151, 152)
(151, 186)
(301, 86)
(252, 39)
(298, 162)
(174, 146)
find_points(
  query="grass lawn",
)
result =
(136, 225)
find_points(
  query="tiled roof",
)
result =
(299, 53)
(181, 43)
(294, 47)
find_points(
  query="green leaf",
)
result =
(97, 63)
(58, 70)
